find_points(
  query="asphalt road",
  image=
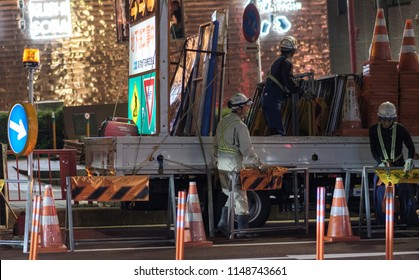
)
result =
(151, 244)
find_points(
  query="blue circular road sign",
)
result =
(22, 128)
(251, 23)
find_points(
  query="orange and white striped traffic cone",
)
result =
(51, 235)
(339, 228)
(408, 60)
(197, 237)
(380, 45)
(351, 118)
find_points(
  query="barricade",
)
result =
(115, 189)
(275, 182)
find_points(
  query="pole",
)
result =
(352, 35)
(321, 193)
(29, 193)
(54, 133)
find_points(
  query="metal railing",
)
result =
(50, 167)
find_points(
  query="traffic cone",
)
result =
(194, 226)
(380, 45)
(351, 117)
(339, 228)
(408, 60)
(51, 235)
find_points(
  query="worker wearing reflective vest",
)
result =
(232, 144)
(386, 141)
(280, 84)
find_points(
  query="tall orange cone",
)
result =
(408, 60)
(351, 117)
(51, 235)
(339, 228)
(194, 226)
(380, 45)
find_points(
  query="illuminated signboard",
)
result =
(142, 102)
(142, 47)
(49, 19)
(272, 14)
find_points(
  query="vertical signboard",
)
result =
(142, 47)
(142, 102)
(142, 84)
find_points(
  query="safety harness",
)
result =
(393, 144)
(275, 80)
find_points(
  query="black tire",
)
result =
(259, 207)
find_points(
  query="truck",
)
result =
(190, 157)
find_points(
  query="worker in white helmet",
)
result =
(386, 141)
(232, 144)
(280, 84)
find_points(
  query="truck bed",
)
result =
(192, 155)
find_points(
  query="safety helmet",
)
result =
(239, 100)
(288, 43)
(387, 110)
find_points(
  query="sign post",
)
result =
(31, 62)
(251, 32)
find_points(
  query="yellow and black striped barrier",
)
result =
(253, 180)
(110, 188)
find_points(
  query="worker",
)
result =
(386, 142)
(280, 84)
(232, 144)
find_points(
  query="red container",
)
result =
(118, 126)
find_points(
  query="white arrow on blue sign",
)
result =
(20, 130)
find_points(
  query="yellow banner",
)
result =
(397, 176)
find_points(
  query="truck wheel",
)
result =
(259, 208)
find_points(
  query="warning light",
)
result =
(30, 58)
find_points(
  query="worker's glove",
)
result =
(408, 165)
(263, 169)
(383, 164)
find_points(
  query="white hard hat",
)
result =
(387, 110)
(239, 100)
(288, 43)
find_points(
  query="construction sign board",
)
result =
(110, 188)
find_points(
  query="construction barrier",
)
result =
(180, 226)
(339, 228)
(252, 180)
(110, 188)
(114, 189)
(194, 226)
(321, 195)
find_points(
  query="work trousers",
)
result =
(229, 179)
